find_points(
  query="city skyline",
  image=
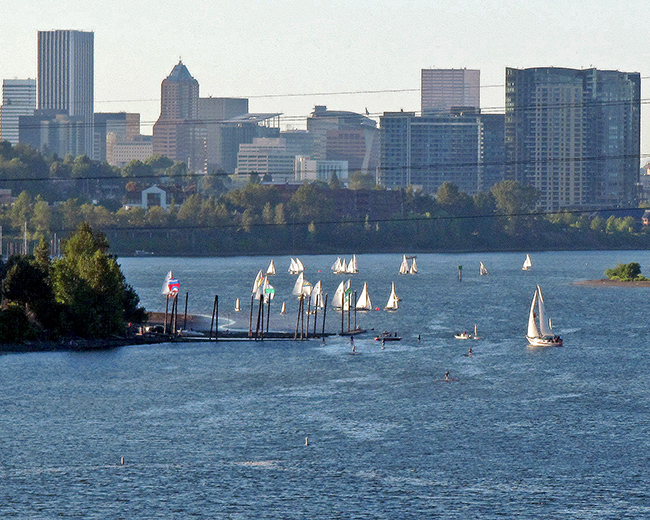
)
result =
(281, 57)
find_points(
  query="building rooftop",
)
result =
(180, 73)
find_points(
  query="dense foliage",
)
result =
(626, 273)
(83, 293)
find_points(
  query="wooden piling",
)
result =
(324, 315)
(185, 315)
(250, 317)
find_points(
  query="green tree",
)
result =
(626, 272)
(91, 286)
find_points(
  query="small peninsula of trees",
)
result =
(626, 273)
(82, 294)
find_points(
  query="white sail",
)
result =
(364, 302)
(352, 265)
(300, 265)
(337, 300)
(544, 327)
(283, 310)
(336, 266)
(344, 266)
(528, 263)
(293, 267)
(307, 288)
(482, 269)
(257, 284)
(297, 287)
(404, 267)
(533, 332)
(270, 270)
(165, 288)
(317, 295)
(237, 305)
(414, 267)
(393, 300)
(268, 290)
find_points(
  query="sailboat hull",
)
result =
(545, 341)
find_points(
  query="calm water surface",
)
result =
(218, 430)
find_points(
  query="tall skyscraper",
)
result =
(442, 89)
(66, 77)
(574, 135)
(178, 134)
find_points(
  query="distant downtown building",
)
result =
(178, 134)
(18, 99)
(444, 89)
(66, 79)
(574, 135)
(463, 147)
(344, 136)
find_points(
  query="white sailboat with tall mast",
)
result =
(540, 331)
(352, 265)
(393, 300)
(528, 263)
(270, 270)
(364, 303)
(482, 270)
(404, 266)
(414, 267)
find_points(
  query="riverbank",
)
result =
(612, 283)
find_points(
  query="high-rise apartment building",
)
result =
(179, 134)
(18, 99)
(574, 135)
(461, 147)
(66, 77)
(444, 89)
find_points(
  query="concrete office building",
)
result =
(307, 169)
(345, 136)
(574, 135)
(443, 89)
(266, 156)
(18, 99)
(66, 77)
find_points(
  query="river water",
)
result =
(219, 430)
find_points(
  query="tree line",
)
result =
(315, 217)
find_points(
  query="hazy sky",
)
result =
(268, 50)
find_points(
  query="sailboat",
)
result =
(341, 298)
(270, 270)
(482, 270)
(540, 335)
(237, 305)
(352, 265)
(257, 284)
(393, 300)
(317, 295)
(296, 266)
(336, 266)
(528, 263)
(404, 266)
(414, 267)
(283, 310)
(364, 303)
